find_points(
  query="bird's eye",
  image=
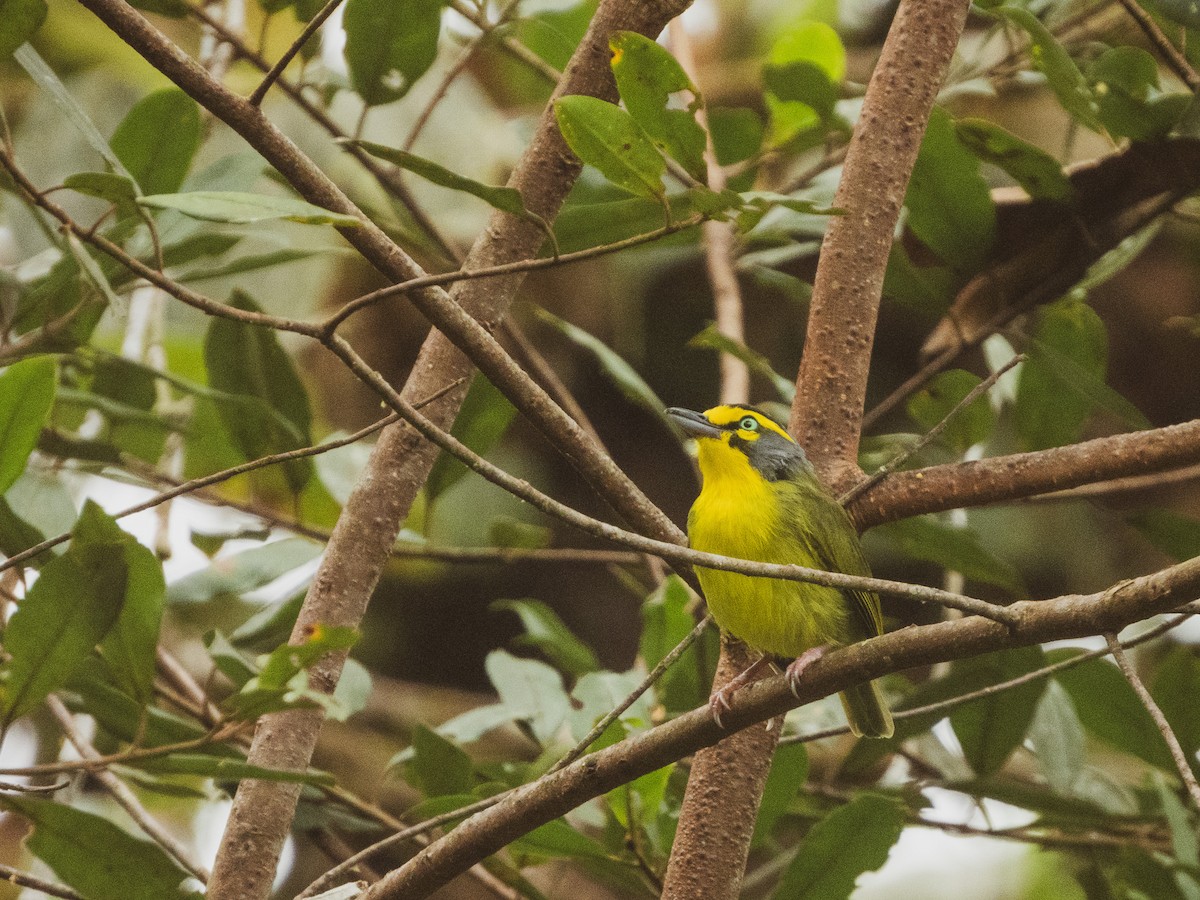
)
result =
(748, 424)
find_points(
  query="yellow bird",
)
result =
(762, 501)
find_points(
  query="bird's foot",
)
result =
(718, 703)
(795, 671)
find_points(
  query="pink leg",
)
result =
(718, 703)
(795, 671)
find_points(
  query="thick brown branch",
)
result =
(1066, 617)
(362, 540)
(827, 411)
(1004, 478)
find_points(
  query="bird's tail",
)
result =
(867, 712)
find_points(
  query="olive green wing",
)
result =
(827, 530)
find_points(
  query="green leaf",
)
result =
(116, 189)
(1058, 741)
(94, 856)
(482, 420)
(950, 206)
(584, 225)
(437, 766)
(389, 45)
(44, 77)
(227, 769)
(123, 718)
(647, 75)
(253, 262)
(130, 648)
(789, 771)
(619, 372)
(530, 690)
(666, 620)
(596, 694)
(248, 360)
(957, 549)
(1062, 382)
(1124, 80)
(1039, 173)
(67, 611)
(1184, 12)
(557, 839)
(282, 679)
(1063, 76)
(17, 535)
(26, 398)
(245, 571)
(240, 208)
(928, 290)
(711, 338)
(1184, 839)
(1175, 688)
(1170, 532)
(851, 840)
(970, 426)
(547, 633)
(158, 139)
(1110, 710)
(505, 199)
(19, 19)
(804, 68)
(991, 728)
(607, 137)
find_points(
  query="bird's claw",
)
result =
(795, 670)
(718, 703)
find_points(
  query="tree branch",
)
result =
(1182, 764)
(830, 389)
(1004, 478)
(362, 540)
(1071, 616)
(827, 412)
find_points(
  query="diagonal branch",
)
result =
(1178, 754)
(726, 782)
(1003, 478)
(1070, 616)
(400, 462)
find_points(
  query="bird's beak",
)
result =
(694, 424)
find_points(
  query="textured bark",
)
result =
(831, 387)
(1007, 478)
(361, 542)
(827, 411)
(400, 463)
(713, 839)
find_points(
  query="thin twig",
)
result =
(1178, 754)
(124, 797)
(907, 453)
(282, 63)
(509, 45)
(1176, 60)
(134, 754)
(24, 879)
(512, 268)
(1117, 486)
(1001, 686)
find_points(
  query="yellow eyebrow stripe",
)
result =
(727, 415)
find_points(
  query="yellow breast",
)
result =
(739, 514)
